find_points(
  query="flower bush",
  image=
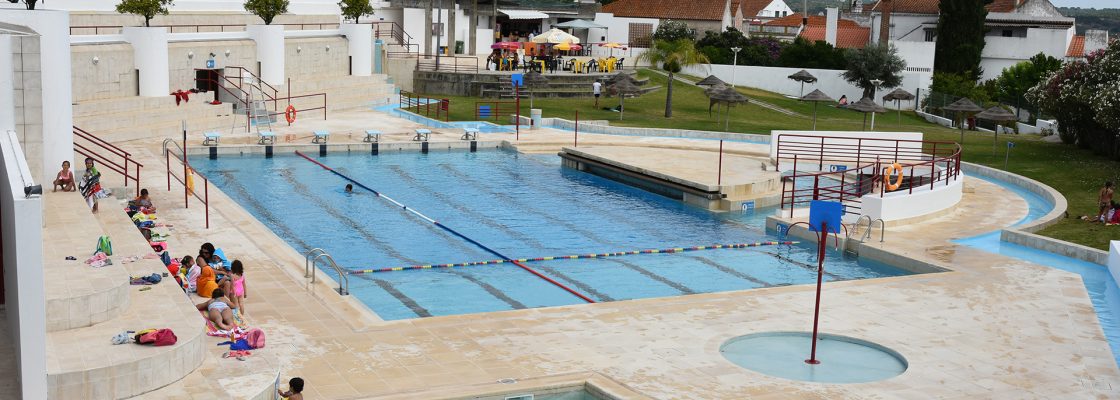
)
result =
(1083, 95)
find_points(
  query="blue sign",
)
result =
(518, 79)
(837, 168)
(210, 63)
(1010, 145)
(827, 213)
(748, 206)
(783, 229)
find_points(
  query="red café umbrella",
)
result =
(506, 45)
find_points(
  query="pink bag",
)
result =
(255, 338)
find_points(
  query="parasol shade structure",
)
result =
(711, 80)
(568, 46)
(962, 107)
(624, 87)
(531, 80)
(804, 77)
(726, 95)
(865, 106)
(816, 96)
(554, 36)
(622, 76)
(612, 46)
(506, 45)
(580, 24)
(997, 114)
(898, 95)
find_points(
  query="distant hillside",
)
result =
(1092, 18)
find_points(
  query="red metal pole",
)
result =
(575, 138)
(324, 106)
(822, 241)
(186, 202)
(125, 171)
(719, 173)
(911, 179)
(137, 179)
(289, 87)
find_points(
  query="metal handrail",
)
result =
(112, 149)
(882, 230)
(187, 191)
(307, 262)
(319, 253)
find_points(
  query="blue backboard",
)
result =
(828, 212)
(518, 79)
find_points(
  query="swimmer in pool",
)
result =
(349, 188)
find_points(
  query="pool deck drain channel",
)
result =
(449, 230)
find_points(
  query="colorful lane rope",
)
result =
(573, 257)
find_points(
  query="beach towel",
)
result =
(240, 331)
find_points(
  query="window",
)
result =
(1008, 33)
(931, 35)
(777, 14)
(785, 13)
(641, 35)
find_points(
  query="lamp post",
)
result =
(734, 63)
(875, 82)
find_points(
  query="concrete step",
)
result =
(77, 295)
(81, 363)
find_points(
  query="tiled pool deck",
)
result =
(992, 327)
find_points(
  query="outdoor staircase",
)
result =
(131, 118)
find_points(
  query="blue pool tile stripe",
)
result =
(576, 256)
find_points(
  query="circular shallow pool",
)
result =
(842, 359)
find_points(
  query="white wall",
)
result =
(618, 30)
(903, 205)
(47, 149)
(413, 23)
(24, 299)
(776, 5)
(1114, 259)
(1002, 52)
(829, 81)
(150, 47)
(296, 6)
(905, 27)
(918, 55)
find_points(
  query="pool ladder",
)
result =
(870, 223)
(312, 258)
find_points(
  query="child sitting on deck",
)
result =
(64, 179)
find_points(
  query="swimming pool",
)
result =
(524, 206)
(1102, 288)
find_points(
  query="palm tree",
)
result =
(673, 56)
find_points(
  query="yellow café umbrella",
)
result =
(612, 46)
(567, 46)
(555, 36)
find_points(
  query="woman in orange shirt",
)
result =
(207, 280)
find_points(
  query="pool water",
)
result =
(523, 206)
(1100, 284)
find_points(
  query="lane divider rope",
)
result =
(572, 257)
(449, 230)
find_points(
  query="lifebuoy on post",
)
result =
(896, 167)
(290, 114)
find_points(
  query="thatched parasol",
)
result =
(962, 107)
(727, 95)
(865, 106)
(997, 114)
(534, 79)
(620, 77)
(898, 95)
(624, 87)
(816, 96)
(711, 80)
(804, 77)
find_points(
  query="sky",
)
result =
(1087, 3)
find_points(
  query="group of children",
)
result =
(90, 185)
(210, 276)
(1108, 212)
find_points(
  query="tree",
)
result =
(960, 37)
(673, 56)
(354, 9)
(803, 54)
(144, 8)
(955, 86)
(1012, 85)
(672, 30)
(267, 9)
(874, 62)
(756, 51)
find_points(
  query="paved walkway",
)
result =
(992, 327)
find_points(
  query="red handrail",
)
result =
(411, 100)
(205, 199)
(240, 77)
(110, 163)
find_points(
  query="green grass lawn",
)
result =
(1076, 173)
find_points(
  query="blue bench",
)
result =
(372, 136)
(321, 137)
(264, 137)
(484, 112)
(211, 138)
(469, 134)
(422, 135)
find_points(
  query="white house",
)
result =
(1017, 29)
(700, 15)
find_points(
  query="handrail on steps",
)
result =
(312, 258)
(188, 189)
(108, 162)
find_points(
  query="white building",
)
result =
(1017, 29)
(636, 18)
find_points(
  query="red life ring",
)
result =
(290, 114)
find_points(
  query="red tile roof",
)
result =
(846, 38)
(1076, 47)
(795, 21)
(711, 10)
(931, 6)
